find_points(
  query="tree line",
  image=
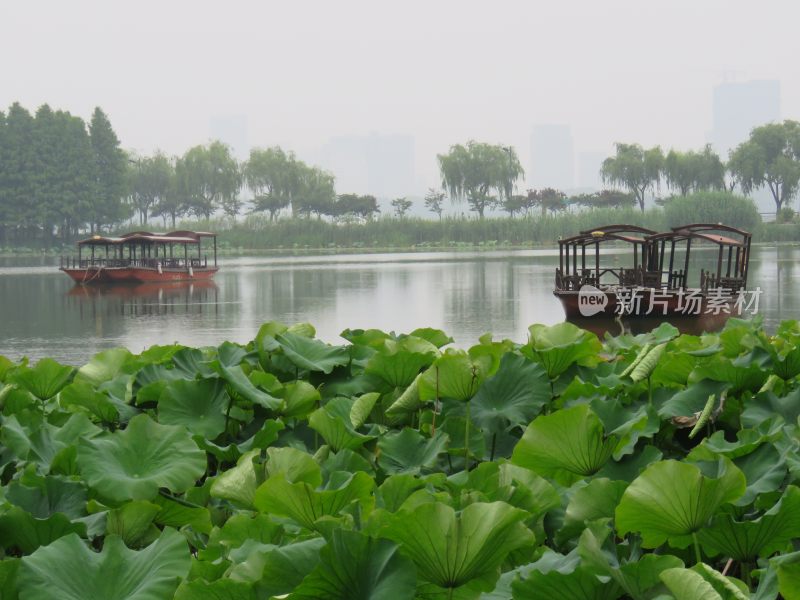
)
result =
(61, 176)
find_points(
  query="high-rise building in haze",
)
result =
(740, 106)
(377, 164)
(232, 130)
(552, 157)
(589, 164)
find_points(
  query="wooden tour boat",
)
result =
(656, 284)
(141, 256)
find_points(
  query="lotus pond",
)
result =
(393, 467)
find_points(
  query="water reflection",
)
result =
(466, 294)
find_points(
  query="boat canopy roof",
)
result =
(146, 237)
(632, 234)
(709, 232)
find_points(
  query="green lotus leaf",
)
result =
(9, 567)
(239, 483)
(199, 405)
(636, 576)
(407, 451)
(239, 383)
(437, 337)
(332, 422)
(747, 440)
(764, 470)
(133, 522)
(514, 395)
(399, 363)
(356, 567)
(755, 537)
(747, 372)
(44, 380)
(660, 510)
(784, 348)
(40, 442)
(560, 346)
(557, 577)
(700, 583)
(310, 354)
(230, 354)
(395, 489)
(692, 399)
(455, 427)
(786, 570)
(369, 338)
(176, 513)
(134, 463)
(191, 363)
(116, 573)
(766, 406)
(453, 549)
(107, 365)
(408, 401)
(83, 396)
(278, 570)
(301, 502)
(20, 530)
(569, 443)
(362, 407)
(295, 466)
(222, 589)
(596, 500)
(453, 375)
(44, 496)
(300, 398)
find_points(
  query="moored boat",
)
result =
(141, 256)
(656, 283)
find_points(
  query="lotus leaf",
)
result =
(134, 463)
(660, 510)
(301, 502)
(356, 567)
(450, 549)
(116, 573)
(407, 451)
(199, 405)
(569, 443)
(560, 346)
(514, 395)
(310, 354)
(44, 380)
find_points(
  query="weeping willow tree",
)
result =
(482, 174)
(694, 171)
(634, 169)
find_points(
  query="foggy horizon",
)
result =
(301, 75)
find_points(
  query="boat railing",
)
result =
(709, 281)
(70, 262)
(620, 276)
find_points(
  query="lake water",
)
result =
(42, 313)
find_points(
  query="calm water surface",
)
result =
(42, 313)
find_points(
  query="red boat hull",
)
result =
(106, 275)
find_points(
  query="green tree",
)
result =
(548, 199)
(694, 171)
(317, 194)
(110, 171)
(275, 178)
(151, 179)
(635, 169)
(17, 173)
(355, 205)
(173, 203)
(604, 199)
(434, 200)
(515, 204)
(771, 158)
(483, 174)
(208, 178)
(401, 207)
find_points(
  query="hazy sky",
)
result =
(443, 71)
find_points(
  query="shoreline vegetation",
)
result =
(257, 233)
